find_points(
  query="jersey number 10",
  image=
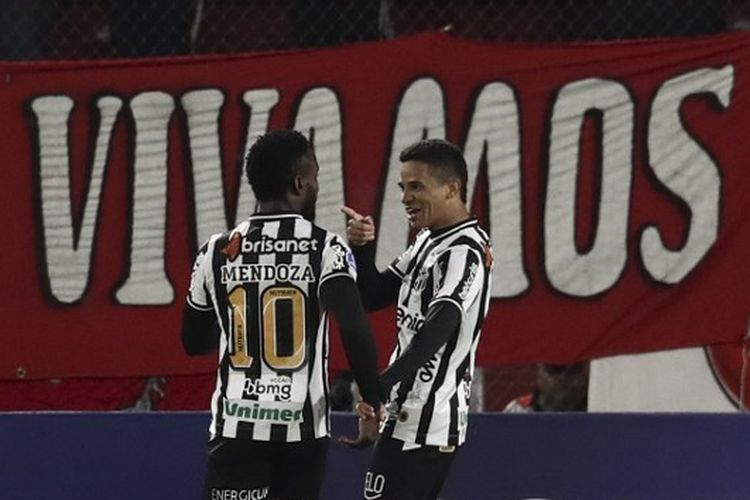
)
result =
(283, 312)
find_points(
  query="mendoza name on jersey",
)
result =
(244, 273)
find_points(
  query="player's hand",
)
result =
(360, 229)
(364, 411)
(368, 434)
(367, 412)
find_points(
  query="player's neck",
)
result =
(451, 219)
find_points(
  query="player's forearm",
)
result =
(378, 289)
(198, 331)
(442, 321)
(340, 296)
(362, 356)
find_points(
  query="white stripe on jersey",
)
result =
(300, 386)
(259, 401)
(455, 266)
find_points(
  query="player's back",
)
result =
(263, 281)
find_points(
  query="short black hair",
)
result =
(272, 161)
(445, 159)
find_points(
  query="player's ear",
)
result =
(297, 184)
(454, 187)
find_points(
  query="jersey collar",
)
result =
(276, 215)
(448, 230)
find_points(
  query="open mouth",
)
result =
(412, 213)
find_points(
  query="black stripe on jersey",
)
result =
(314, 318)
(246, 430)
(284, 322)
(479, 244)
(285, 233)
(393, 266)
(254, 316)
(429, 406)
(403, 389)
(453, 425)
(416, 265)
(482, 305)
(316, 257)
(307, 426)
(469, 242)
(283, 317)
(485, 286)
(418, 253)
(461, 373)
(471, 259)
(324, 372)
(446, 232)
(429, 289)
(278, 433)
(395, 270)
(388, 428)
(217, 260)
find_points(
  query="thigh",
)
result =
(237, 468)
(395, 474)
(299, 469)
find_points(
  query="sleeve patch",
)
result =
(340, 256)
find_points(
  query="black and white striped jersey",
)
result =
(262, 280)
(453, 265)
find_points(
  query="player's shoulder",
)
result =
(314, 229)
(472, 229)
(227, 241)
(210, 243)
(328, 237)
(337, 253)
(481, 235)
(470, 236)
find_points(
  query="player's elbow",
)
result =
(199, 332)
(192, 343)
(191, 347)
(370, 302)
(369, 305)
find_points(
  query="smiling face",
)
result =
(430, 201)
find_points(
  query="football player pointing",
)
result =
(440, 286)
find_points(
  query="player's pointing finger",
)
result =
(351, 213)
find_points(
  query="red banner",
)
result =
(611, 177)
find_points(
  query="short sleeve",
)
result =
(198, 297)
(458, 276)
(337, 259)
